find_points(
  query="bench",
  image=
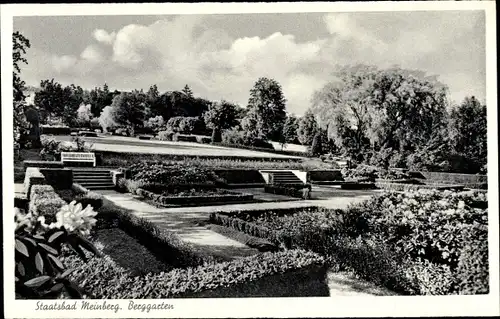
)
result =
(78, 157)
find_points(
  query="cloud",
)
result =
(187, 50)
(104, 37)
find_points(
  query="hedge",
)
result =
(240, 176)
(184, 138)
(251, 241)
(164, 244)
(144, 137)
(408, 187)
(269, 149)
(55, 130)
(44, 201)
(325, 175)
(303, 192)
(246, 227)
(59, 178)
(183, 200)
(32, 177)
(356, 185)
(454, 178)
(292, 273)
(204, 139)
(43, 164)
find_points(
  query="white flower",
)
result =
(74, 218)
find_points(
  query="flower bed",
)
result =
(302, 191)
(289, 273)
(419, 242)
(210, 197)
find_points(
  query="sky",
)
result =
(221, 56)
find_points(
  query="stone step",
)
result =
(99, 187)
(91, 173)
(93, 178)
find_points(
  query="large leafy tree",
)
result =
(99, 98)
(129, 110)
(368, 110)
(50, 99)
(468, 133)
(221, 115)
(266, 106)
(307, 128)
(290, 129)
(19, 46)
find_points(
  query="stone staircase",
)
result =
(284, 177)
(93, 179)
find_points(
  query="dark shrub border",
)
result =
(356, 185)
(302, 191)
(246, 227)
(261, 244)
(43, 164)
(55, 130)
(44, 201)
(405, 187)
(167, 200)
(184, 138)
(243, 277)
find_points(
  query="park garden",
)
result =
(386, 182)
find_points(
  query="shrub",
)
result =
(55, 130)
(44, 201)
(304, 191)
(90, 198)
(104, 279)
(32, 177)
(204, 139)
(178, 200)
(50, 148)
(316, 146)
(144, 137)
(165, 135)
(171, 174)
(184, 138)
(43, 164)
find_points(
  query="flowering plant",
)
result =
(39, 273)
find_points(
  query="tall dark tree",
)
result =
(50, 99)
(187, 90)
(267, 103)
(307, 128)
(290, 129)
(129, 109)
(468, 133)
(220, 116)
(19, 46)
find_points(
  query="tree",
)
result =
(19, 46)
(307, 128)
(267, 105)
(84, 114)
(129, 109)
(187, 90)
(73, 98)
(106, 118)
(290, 129)
(50, 99)
(155, 123)
(316, 145)
(468, 133)
(368, 109)
(221, 115)
(99, 98)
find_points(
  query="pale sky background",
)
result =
(221, 56)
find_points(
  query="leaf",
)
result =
(73, 290)
(49, 249)
(40, 237)
(39, 262)
(55, 235)
(57, 287)
(79, 251)
(37, 282)
(20, 247)
(30, 241)
(88, 245)
(56, 261)
(20, 269)
(66, 273)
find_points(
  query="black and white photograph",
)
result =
(252, 160)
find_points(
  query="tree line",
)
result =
(385, 117)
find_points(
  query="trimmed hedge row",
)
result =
(303, 192)
(244, 226)
(407, 187)
(32, 177)
(269, 149)
(55, 130)
(356, 185)
(251, 241)
(44, 201)
(172, 200)
(184, 138)
(289, 273)
(43, 164)
(240, 176)
(325, 175)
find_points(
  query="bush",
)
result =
(55, 130)
(32, 177)
(43, 164)
(144, 137)
(238, 138)
(316, 146)
(59, 178)
(183, 200)
(303, 192)
(184, 138)
(165, 135)
(90, 198)
(171, 174)
(204, 139)
(44, 201)
(103, 279)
